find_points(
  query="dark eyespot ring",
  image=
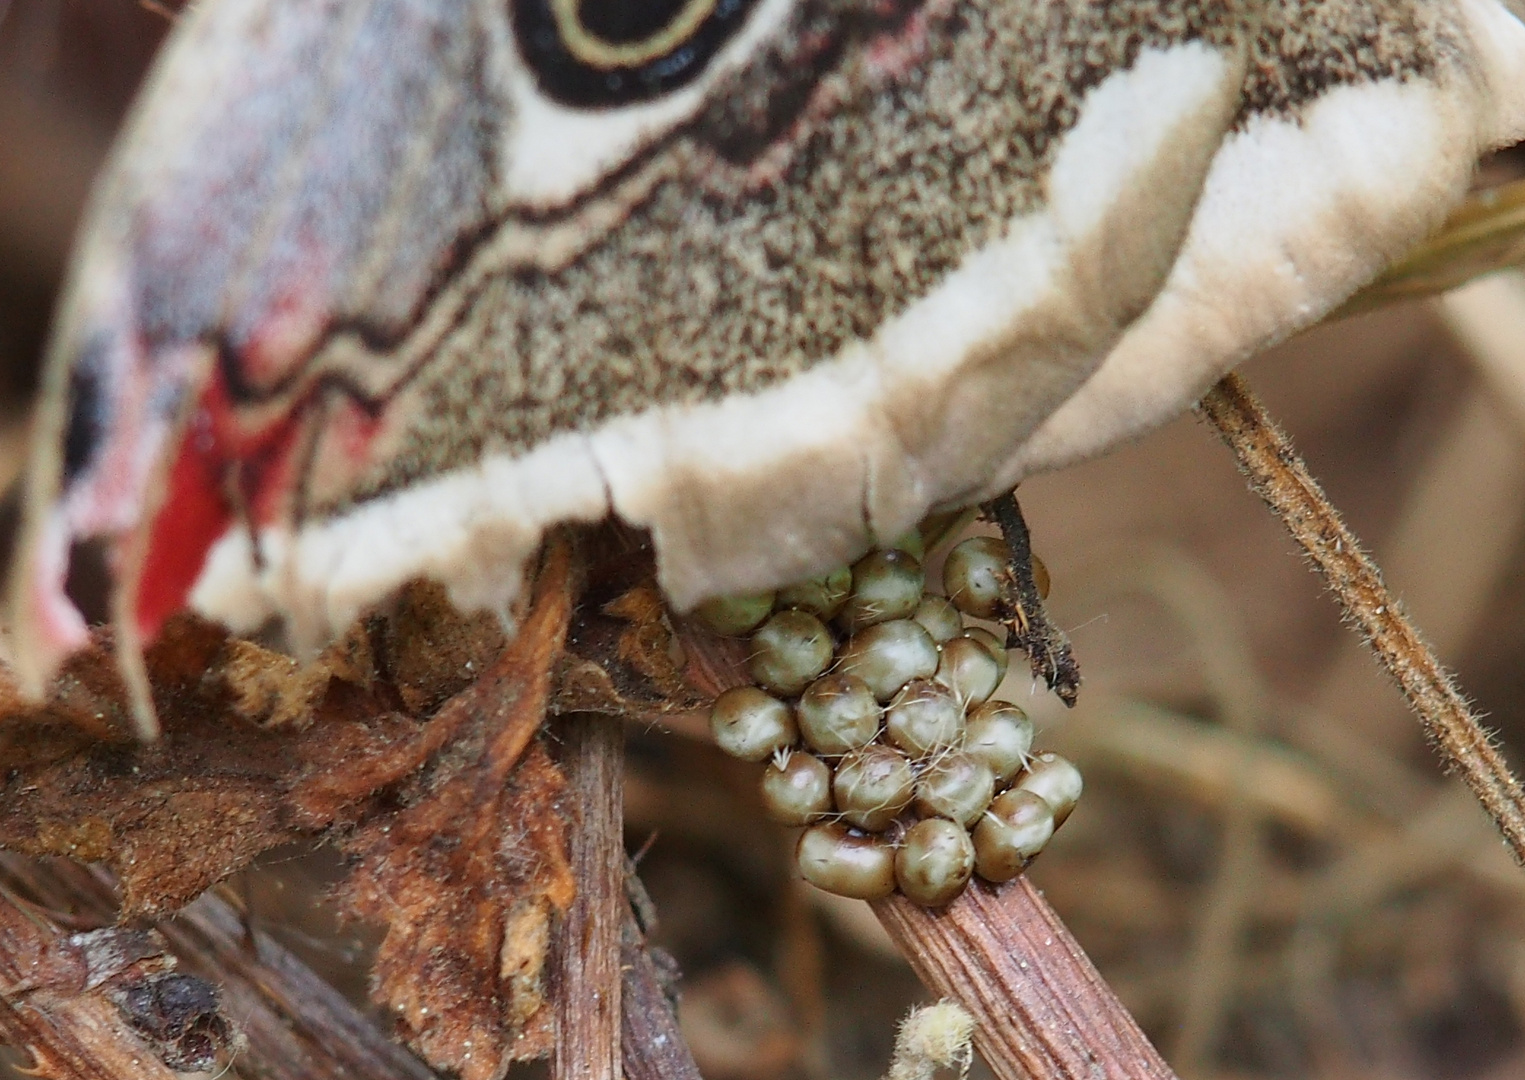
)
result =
(602, 53)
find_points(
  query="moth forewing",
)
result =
(798, 274)
(1308, 200)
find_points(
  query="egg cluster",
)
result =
(872, 705)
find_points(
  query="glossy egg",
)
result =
(838, 860)
(924, 718)
(796, 789)
(752, 725)
(967, 668)
(934, 862)
(788, 651)
(889, 655)
(820, 596)
(873, 786)
(1001, 735)
(886, 585)
(838, 713)
(1056, 781)
(956, 786)
(1015, 828)
(975, 573)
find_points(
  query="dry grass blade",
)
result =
(1278, 476)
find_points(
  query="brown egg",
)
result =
(796, 789)
(934, 862)
(1014, 829)
(873, 786)
(833, 858)
(752, 725)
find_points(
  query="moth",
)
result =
(380, 289)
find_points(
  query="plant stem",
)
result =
(1041, 1010)
(1278, 475)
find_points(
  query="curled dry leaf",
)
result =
(410, 742)
(471, 869)
(627, 657)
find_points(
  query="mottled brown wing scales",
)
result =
(767, 278)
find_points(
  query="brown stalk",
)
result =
(295, 1025)
(1278, 475)
(63, 1030)
(650, 1043)
(586, 953)
(1041, 1009)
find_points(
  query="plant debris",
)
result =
(411, 744)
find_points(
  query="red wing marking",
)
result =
(197, 508)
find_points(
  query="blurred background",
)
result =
(1267, 864)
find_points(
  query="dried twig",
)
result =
(294, 1023)
(650, 1042)
(1041, 1009)
(586, 956)
(1047, 646)
(1278, 475)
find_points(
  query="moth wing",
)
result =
(755, 489)
(1299, 211)
(921, 412)
(288, 171)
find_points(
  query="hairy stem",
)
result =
(1278, 475)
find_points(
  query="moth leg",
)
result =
(1026, 619)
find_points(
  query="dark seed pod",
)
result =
(924, 718)
(752, 725)
(796, 789)
(832, 858)
(1014, 829)
(935, 860)
(1054, 780)
(838, 713)
(941, 619)
(974, 575)
(788, 651)
(999, 734)
(821, 596)
(872, 786)
(968, 669)
(955, 786)
(735, 616)
(996, 645)
(889, 655)
(886, 585)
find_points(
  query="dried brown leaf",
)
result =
(470, 869)
(412, 742)
(257, 750)
(627, 657)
